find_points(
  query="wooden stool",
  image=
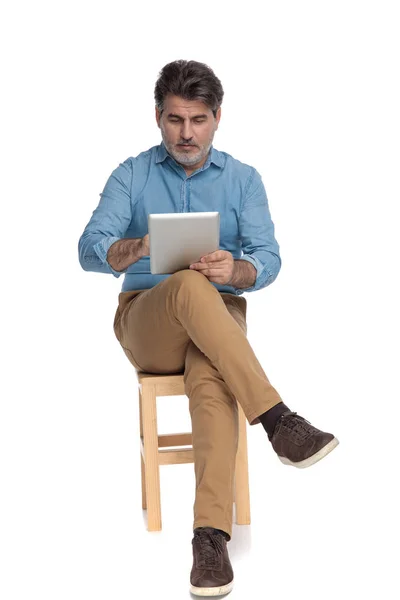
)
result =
(153, 385)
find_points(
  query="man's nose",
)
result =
(186, 131)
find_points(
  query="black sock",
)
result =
(270, 418)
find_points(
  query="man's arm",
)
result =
(107, 226)
(257, 234)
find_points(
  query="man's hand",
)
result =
(217, 267)
(145, 245)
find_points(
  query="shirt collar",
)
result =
(214, 156)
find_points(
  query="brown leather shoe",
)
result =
(212, 573)
(298, 443)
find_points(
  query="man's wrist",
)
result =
(124, 253)
(244, 274)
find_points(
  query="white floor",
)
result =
(73, 526)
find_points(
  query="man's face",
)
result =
(191, 122)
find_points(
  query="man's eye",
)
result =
(196, 120)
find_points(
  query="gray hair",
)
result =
(190, 80)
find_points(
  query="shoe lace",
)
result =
(299, 425)
(211, 547)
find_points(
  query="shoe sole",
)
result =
(212, 591)
(311, 459)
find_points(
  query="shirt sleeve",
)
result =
(108, 223)
(257, 233)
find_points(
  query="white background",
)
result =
(312, 101)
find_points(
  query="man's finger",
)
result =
(215, 256)
(199, 266)
(207, 266)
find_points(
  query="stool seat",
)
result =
(154, 448)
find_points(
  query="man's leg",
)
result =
(214, 414)
(156, 327)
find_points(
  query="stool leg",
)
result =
(150, 440)
(142, 465)
(241, 491)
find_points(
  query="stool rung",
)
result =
(175, 457)
(175, 439)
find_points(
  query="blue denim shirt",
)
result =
(153, 182)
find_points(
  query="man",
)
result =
(194, 320)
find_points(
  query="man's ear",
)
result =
(217, 118)
(158, 116)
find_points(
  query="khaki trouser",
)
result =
(184, 324)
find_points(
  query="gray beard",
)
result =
(186, 159)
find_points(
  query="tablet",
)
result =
(179, 239)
